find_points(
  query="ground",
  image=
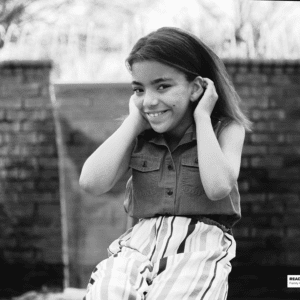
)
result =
(67, 294)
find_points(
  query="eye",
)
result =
(137, 90)
(163, 87)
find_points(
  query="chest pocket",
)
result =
(145, 174)
(190, 176)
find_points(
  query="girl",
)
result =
(183, 141)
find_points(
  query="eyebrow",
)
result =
(155, 81)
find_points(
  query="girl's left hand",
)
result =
(208, 100)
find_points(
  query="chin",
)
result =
(158, 129)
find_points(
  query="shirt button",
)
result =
(170, 192)
(170, 167)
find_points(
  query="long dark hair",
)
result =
(188, 54)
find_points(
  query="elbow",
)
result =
(86, 186)
(90, 187)
(219, 193)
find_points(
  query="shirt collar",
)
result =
(158, 138)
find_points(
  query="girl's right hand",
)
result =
(136, 114)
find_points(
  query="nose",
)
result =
(150, 99)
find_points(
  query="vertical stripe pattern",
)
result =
(165, 258)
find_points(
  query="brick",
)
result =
(254, 102)
(293, 205)
(289, 92)
(42, 151)
(263, 126)
(51, 162)
(293, 233)
(285, 101)
(293, 138)
(240, 232)
(50, 174)
(280, 80)
(244, 162)
(287, 174)
(254, 149)
(20, 150)
(20, 187)
(267, 232)
(13, 102)
(29, 255)
(9, 126)
(269, 207)
(48, 215)
(23, 90)
(271, 138)
(48, 186)
(37, 102)
(2, 113)
(293, 258)
(45, 126)
(292, 244)
(284, 186)
(277, 114)
(4, 150)
(269, 162)
(287, 197)
(243, 186)
(39, 197)
(283, 150)
(36, 75)
(253, 197)
(21, 210)
(288, 125)
(246, 91)
(24, 138)
(255, 79)
(29, 114)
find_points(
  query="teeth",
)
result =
(155, 114)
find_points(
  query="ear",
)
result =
(197, 88)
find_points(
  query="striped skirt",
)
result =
(165, 258)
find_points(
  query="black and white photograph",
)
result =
(149, 150)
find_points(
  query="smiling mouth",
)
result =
(156, 114)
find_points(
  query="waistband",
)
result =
(209, 221)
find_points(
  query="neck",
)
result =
(174, 137)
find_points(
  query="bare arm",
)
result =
(219, 160)
(110, 161)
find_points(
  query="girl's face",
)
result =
(163, 96)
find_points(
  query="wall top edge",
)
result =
(26, 63)
(263, 62)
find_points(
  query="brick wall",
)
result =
(268, 236)
(270, 174)
(30, 226)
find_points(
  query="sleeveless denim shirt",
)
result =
(168, 183)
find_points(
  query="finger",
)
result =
(211, 86)
(207, 82)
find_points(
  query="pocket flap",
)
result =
(144, 164)
(190, 162)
